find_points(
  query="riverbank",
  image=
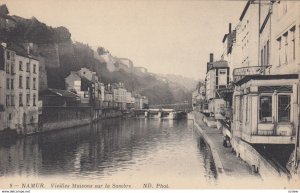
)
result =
(58, 118)
(227, 164)
(232, 165)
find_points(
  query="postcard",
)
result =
(149, 95)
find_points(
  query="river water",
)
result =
(122, 151)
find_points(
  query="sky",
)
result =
(165, 36)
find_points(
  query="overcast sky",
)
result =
(165, 36)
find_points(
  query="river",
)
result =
(123, 151)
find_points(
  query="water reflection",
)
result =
(110, 149)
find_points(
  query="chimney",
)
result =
(229, 28)
(211, 57)
(28, 49)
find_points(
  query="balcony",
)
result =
(240, 73)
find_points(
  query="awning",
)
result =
(266, 77)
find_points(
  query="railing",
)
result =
(240, 73)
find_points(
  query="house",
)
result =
(119, 95)
(19, 88)
(266, 94)
(129, 100)
(141, 102)
(83, 84)
(217, 79)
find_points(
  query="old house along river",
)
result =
(134, 152)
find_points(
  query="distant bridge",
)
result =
(175, 106)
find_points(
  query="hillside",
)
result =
(59, 55)
(184, 82)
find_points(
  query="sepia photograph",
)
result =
(149, 95)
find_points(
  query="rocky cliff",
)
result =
(59, 55)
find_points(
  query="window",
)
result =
(265, 55)
(7, 68)
(34, 68)
(279, 51)
(268, 53)
(20, 81)
(12, 55)
(7, 55)
(27, 99)
(27, 83)
(265, 109)
(285, 48)
(27, 67)
(20, 99)
(246, 108)
(34, 100)
(284, 108)
(241, 109)
(7, 100)
(7, 83)
(12, 69)
(293, 44)
(262, 57)
(20, 66)
(222, 72)
(9, 116)
(12, 101)
(34, 83)
(12, 84)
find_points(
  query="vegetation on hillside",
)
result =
(58, 46)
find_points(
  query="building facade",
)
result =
(265, 99)
(119, 96)
(20, 76)
(73, 83)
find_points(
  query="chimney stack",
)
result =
(211, 57)
(229, 28)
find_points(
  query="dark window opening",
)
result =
(265, 109)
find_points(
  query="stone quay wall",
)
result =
(55, 118)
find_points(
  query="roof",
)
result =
(86, 80)
(245, 10)
(266, 77)
(20, 50)
(62, 93)
(218, 64)
(73, 73)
